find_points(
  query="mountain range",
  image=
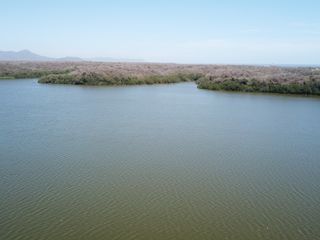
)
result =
(26, 55)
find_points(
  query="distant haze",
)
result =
(202, 31)
(27, 55)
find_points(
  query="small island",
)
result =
(273, 79)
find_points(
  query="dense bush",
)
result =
(251, 85)
(298, 80)
(92, 78)
(30, 74)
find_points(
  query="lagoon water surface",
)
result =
(157, 162)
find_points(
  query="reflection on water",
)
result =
(157, 162)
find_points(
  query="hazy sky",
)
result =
(199, 31)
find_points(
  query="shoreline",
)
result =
(243, 78)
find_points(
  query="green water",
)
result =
(157, 162)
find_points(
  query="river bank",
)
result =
(273, 79)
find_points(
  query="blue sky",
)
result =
(229, 31)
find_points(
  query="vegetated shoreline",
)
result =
(94, 79)
(252, 85)
(240, 78)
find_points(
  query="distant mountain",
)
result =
(26, 55)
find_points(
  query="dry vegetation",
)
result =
(301, 80)
(290, 80)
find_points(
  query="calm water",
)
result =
(157, 162)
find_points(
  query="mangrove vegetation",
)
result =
(273, 79)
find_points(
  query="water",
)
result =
(157, 162)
